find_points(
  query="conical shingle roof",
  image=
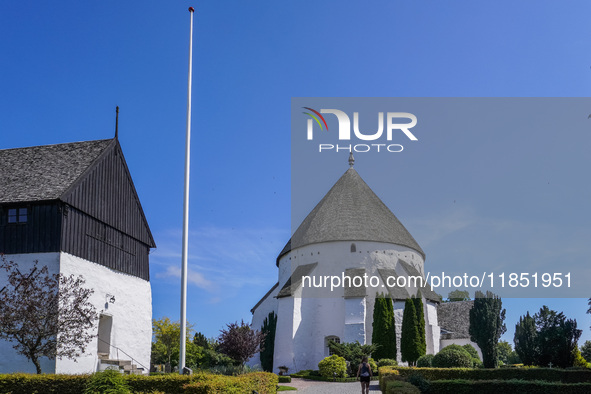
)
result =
(351, 211)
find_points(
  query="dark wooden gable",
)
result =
(103, 220)
(106, 192)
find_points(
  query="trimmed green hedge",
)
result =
(262, 382)
(460, 386)
(398, 387)
(284, 379)
(388, 374)
(169, 383)
(20, 383)
(546, 374)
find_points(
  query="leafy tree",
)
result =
(200, 340)
(557, 337)
(422, 344)
(206, 353)
(45, 315)
(486, 326)
(410, 340)
(166, 343)
(384, 329)
(268, 345)
(578, 359)
(506, 353)
(213, 358)
(353, 352)
(458, 295)
(586, 350)
(547, 337)
(526, 340)
(240, 342)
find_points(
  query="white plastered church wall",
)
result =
(131, 314)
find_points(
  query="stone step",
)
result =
(119, 363)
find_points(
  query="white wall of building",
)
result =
(10, 361)
(131, 314)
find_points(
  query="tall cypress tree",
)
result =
(422, 344)
(409, 343)
(268, 348)
(486, 326)
(525, 340)
(383, 334)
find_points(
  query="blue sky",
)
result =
(66, 65)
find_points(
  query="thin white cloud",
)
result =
(222, 261)
(193, 277)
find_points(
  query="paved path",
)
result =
(314, 387)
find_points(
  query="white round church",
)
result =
(349, 234)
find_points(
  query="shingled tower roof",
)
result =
(46, 172)
(351, 211)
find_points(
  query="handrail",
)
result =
(123, 351)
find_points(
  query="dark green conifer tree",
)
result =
(486, 326)
(409, 343)
(384, 333)
(268, 345)
(422, 345)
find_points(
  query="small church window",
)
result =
(353, 248)
(328, 339)
(17, 215)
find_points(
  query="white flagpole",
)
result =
(186, 209)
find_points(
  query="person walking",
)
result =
(364, 374)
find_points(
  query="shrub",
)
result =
(471, 350)
(398, 387)
(284, 379)
(352, 352)
(425, 361)
(387, 362)
(387, 374)
(304, 373)
(452, 358)
(476, 363)
(372, 365)
(333, 365)
(110, 381)
(458, 347)
(420, 382)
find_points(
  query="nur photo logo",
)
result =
(389, 125)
